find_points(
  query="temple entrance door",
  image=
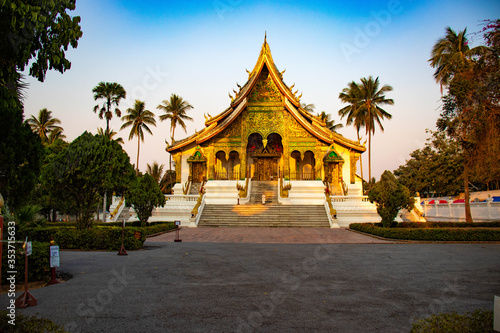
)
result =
(198, 172)
(267, 168)
(332, 171)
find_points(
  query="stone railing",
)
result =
(180, 198)
(331, 212)
(455, 212)
(350, 199)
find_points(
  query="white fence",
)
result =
(455, 212)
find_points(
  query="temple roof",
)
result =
(311, 123)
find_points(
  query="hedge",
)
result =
(447, 225)
(31, 324)
(38, 263)
(429, 234)
(99, 238)
(479, 321)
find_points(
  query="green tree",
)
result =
(138, 119)
(434, 169)
(175, 110)
(156, 171)
(454, 62)
(37, 35)
(44, 125)
(21, 154)
(112, 93)
(330, 123)
(86, 167)
(109, 134)
(364, 108)
(390, 197)
(309, 108)
(144, 195)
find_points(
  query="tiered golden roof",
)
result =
(291, 102)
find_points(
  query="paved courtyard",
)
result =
(235, 286)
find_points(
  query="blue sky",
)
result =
(200, 49)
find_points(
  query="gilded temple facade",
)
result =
(265, 134)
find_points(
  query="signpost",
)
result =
(122, 251)
(54, 261)
(26, 299)
(178, 224)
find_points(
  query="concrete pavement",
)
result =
(268, 287)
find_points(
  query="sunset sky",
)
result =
(200, 49)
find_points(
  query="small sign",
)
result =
(28, 248)
(177, 222)
(137, 235)
(54, 256)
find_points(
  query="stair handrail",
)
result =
(118, 210)
(330, 211)
(196, 212)
(186, 189)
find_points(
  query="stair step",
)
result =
(259, 215)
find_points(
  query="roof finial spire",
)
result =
(265, 36)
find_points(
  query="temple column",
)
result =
(354, 160)
(211, 162)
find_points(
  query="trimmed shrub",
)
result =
(97, 238)
(29, 324)
(429, 234)
(38, 263)
(479, 321)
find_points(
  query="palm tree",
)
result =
(139, 119)
(308, 107)
(330, 123)
(55, 134)
(109, 134)
(364, 109)
(112, 93)
(452, 57)
(175, 110)
(156, 171)
(44, 124)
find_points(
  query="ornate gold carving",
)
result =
(265, 123)
(354, 159)
(265, 90)
(295, 130)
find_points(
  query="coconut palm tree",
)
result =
(364, 109)
(138, 118)
(156, 171)
(44, 124)
(308, 107)
(109, 134)
(112, 93)
(330, 123)
(175, 110)
(452, 57)
(55, 134)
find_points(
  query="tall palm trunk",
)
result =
(138, 149)
(369, 156)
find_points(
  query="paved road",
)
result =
(249, 287)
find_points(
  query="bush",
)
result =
(479, 321)
(101, 237)
(38, 263)
(28, 324)
(429, 234)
